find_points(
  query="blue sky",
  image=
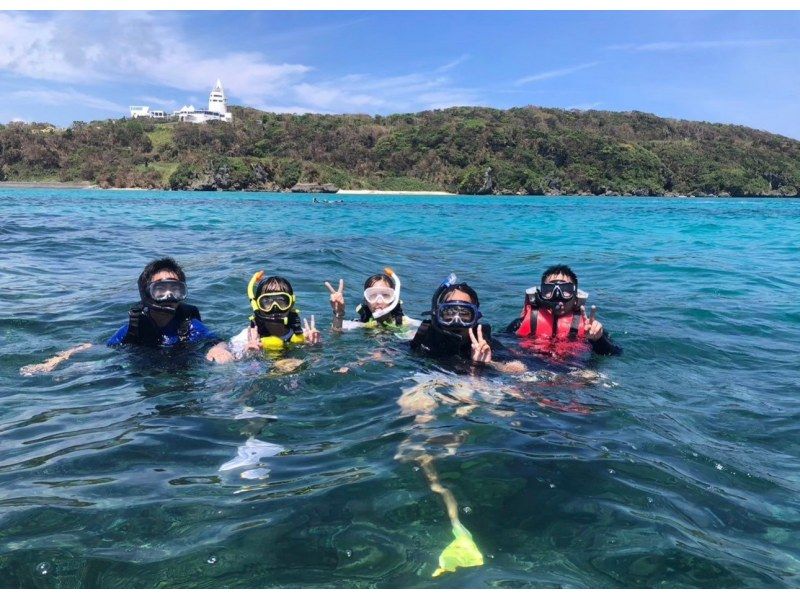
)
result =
(730, 67)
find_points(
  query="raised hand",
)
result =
(592, 329)
(253, 340)
(310, 332)
(337, 297)
(481, 351)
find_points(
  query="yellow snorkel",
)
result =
(251, 288)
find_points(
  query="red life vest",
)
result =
(538, 323)
(567, 341)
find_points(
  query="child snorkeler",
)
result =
(453, 329)
(382, 307)
(275, 324)
(451, 333)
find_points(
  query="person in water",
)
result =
(275, 324)
(381, 308)
(554, 316)
(162, 318)
(453, 329)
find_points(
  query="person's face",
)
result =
(458, 295)
(384, 300)
(163, 275)
(557, 278)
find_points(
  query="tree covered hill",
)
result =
(465, 150)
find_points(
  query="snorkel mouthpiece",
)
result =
(377, 314)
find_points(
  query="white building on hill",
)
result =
(217, 109)
(144, 111)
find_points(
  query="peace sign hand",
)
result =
(337, 297)
(310, 332)
(481, 351)
(253, 340)
(592, 329)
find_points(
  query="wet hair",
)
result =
(375, 278)
(464, 288)
(274, 284)
(560, 269)
(160, 265)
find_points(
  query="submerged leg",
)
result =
(461, 552)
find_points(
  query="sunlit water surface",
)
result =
(678, 467)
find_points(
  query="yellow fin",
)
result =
(461, 552)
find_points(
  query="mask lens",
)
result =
(558, 290)
(167, 290)
(374, 294)
(274, 301)
(457, 314)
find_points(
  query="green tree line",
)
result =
(530, 150)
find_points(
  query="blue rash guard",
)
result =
(169, 334)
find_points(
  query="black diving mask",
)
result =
(558, 291)
(457, 314)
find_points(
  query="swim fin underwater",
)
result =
(461, 552)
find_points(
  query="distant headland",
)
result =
(484, 151)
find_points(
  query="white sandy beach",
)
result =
(376, 192)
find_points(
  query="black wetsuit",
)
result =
(601, 346)
(433, 342)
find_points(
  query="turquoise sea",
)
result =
(676, 465)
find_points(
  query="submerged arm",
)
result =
(50, 364)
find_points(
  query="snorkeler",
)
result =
(275, 324)
(451, 332)
(162, 318)
(554, 317)
(382, 307)
(453, 329)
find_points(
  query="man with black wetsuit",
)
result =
(162, 318)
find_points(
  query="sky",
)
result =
(717, 66)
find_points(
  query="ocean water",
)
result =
(673, 465)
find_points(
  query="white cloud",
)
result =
(555, 73)
(122, 46)
(453, 63)
(102, 48)
(156, 101)
(585, 106)
(68, 97)
(700, 45)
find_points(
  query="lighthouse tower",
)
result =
(218, 103)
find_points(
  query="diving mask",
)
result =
(558, 291)
(375, 294)
(278, 301)
(162, 291)
(457, 314)
(394, 297)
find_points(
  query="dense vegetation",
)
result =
(467, 150)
